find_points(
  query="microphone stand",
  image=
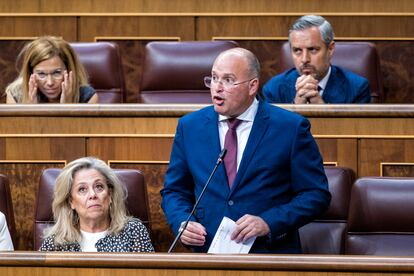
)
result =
(184, 225)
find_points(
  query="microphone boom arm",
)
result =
(184, 225)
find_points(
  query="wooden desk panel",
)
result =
(137, 27)
(276, 26)
(24, 27)
(213, 6)
(36, 263)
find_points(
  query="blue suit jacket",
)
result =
(343, 86)
(280, 177)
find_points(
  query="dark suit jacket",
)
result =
(343, 86)
(280, 177)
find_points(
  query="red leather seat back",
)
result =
(173, 72)
(102, 61)
(381, 216)
(326, 235)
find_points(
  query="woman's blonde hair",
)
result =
(41, 49)
(67, 228)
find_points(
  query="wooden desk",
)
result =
(88, 264)
(371, 139)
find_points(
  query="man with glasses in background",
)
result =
(272, 181)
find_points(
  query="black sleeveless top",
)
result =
(85, 94)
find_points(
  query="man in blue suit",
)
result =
(314, 79)
(280, 183)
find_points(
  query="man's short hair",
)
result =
(309, 21)
(254, 65)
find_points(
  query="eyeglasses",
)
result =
(227, 82)
(56, 75)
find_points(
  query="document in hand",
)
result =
(222, 243)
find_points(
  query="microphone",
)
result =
(184, 225)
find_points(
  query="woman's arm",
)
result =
(94, 99)
(10, 99)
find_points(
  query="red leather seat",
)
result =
(136, 202)
(102, 61)
(358, 57)
(173, 72)
(381, 217)
(326, 235)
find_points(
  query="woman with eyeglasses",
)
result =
(50, 73)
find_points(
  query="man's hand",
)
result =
(249, 226)
(307, 90)
(194, 234)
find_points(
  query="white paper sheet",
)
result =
(222, 243)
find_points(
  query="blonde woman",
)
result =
(90, 214)
(50, 73)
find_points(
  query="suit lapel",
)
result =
(333, 91)
(260, 125)
(212, 146)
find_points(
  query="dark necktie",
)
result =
(319, 89)
(230, 144)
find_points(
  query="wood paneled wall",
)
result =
(212, 6)
(260, 26)
(373, 140)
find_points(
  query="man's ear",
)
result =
(331, 48)
(254, 86)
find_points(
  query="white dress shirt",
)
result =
(243, 130)
(6, 243)
(89, 240)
